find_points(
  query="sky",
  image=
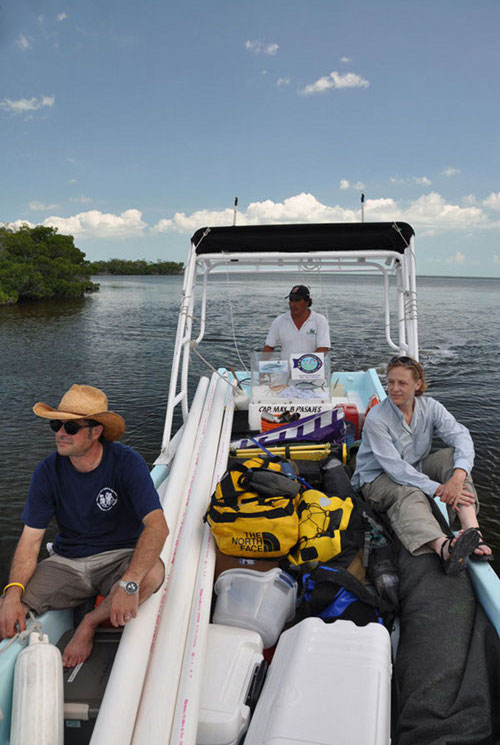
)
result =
(130, 125)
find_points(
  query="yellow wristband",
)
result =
(14, 584)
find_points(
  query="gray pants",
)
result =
(408, 508)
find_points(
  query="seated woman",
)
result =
(396, 471)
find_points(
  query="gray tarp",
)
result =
(448, 663)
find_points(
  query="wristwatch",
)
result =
(130, 587)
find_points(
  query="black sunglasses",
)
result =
(405, 361)
(71, 427)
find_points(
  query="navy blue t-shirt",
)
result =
(100, 510)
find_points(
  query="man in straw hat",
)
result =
(110, 520)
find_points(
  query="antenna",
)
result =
(362, 207)
(235, 212)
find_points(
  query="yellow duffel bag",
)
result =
(248, 524)
(326, 528)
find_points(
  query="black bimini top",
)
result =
(366, 236)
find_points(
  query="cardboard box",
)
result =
(224, 562)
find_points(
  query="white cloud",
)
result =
(345, 60)
(300, 208)
(25, 105)
(16, 224)
(335, 80)
(469, 199)
(73, 181)
(283, 81)
(429, 213)
(496, 259)
(41, 207)
(432, 211)
(345, 184)
(458, 258)
(23, 42)
(61, 16)
(422, 180)
(260, 47)
(95, 224)
(493, 201)
(81, 200)
(450, 171)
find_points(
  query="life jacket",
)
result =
(252, 512)
(328, 527)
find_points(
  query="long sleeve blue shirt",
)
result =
(389, 445)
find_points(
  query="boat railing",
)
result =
(390, 264)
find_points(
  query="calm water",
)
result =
(121, 340)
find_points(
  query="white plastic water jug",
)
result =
(38, 698)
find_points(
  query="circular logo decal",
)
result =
(106, 499)
(309, 363)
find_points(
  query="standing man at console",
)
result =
(110, 520)
(397, 472)
(299, 330)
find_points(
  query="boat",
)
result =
(156, 676)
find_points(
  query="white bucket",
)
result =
(259, 601)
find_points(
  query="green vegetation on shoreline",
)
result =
(39, 264)
(140, 266)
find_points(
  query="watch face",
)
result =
(131, 588)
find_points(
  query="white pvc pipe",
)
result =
(121, 699)
(185, 724)
(156, 709)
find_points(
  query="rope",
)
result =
(316, 268)
(232, 317)
(323, 298)
(193, 346)
(398, 230)
(207, 231)
(21, 636)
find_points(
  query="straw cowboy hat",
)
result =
(85, 402)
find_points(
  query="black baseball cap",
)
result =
(299, 292)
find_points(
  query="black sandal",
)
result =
(461, 552)
(481, 557)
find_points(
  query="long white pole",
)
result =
(117, 714)
(154, 718)
(185, 723)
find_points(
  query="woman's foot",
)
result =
(455, 552)
(482, 552)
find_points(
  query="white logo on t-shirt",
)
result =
(106, 499)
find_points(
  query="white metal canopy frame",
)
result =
(383, 248)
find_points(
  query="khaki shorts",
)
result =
(59, 582)
(409, 509)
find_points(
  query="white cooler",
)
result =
(328, 684)
(233, 672)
